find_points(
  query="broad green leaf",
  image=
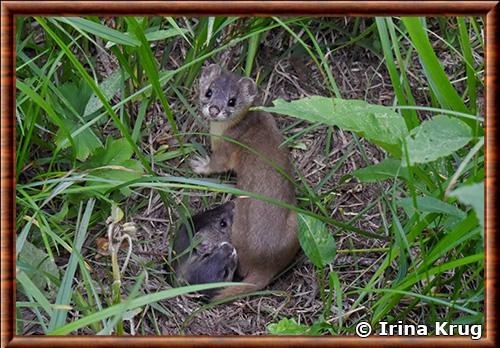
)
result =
(389, 168)
(41, 264)
(114, 162)
(109, 86)
(115, 152)
(127, 170)
(288, 327)
(130, 170)
(61, 214)
(316, 241)
(30, 288)
(436, 138)
(86, 142)
(100, 30)
(472, 195)
(428, 204)
(77, 94)
(377, 123)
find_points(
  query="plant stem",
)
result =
(321, 280)
(116, 288)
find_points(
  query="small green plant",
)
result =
(318, 245)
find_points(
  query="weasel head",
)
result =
(225, 96)
(210, 263)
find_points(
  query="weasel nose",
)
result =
(227, 248)
(214, 111)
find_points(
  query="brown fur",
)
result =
(264, 235)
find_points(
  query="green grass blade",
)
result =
(253, 44)
(388, 301)
(334, 280)
(135, 303)
(48, 109)
(394, 253)
(117, 320)
(464, 231)
(21, 238)
(149, 64)
(66, 288)
(30, 288)
(442, 111)
(100, 30)
(461, 168)
(310, 52)
(439, 82)
(333, 84)
(173, 23)
(410, 116)
(181, 182)
(428, 299)
(467, 54)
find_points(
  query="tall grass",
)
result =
(83, 146)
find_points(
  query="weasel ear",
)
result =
(229, 212)
(248, 89)
(229, 206)
(208, 74)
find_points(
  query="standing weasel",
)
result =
(264, 235)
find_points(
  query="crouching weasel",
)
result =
(264, 235)
(208, 256)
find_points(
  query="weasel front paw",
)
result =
(200, 165)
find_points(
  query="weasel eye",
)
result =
(205, 256)
(223, 223)
(209, 93)
(231, 102)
